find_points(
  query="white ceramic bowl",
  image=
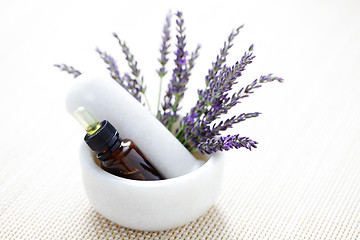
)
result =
(152, 205)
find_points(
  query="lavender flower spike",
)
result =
(213, 101)
(126, 81)
(130, 58)
(165, 45)
(222, 126)
(113, 68)
(249, 89)
(226, 143)
(134, 68)
(218, 90)
(221, 59)
(194, 56)
(68, 69)
(164, 51)
(180, 78)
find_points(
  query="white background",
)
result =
(313, 45)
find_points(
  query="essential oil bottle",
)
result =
(119, 157)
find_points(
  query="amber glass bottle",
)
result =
(119, 157)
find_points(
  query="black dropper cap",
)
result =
(102, 137)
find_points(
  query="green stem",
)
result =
(159, 95)
(180, 131)
(192, 150)
(171, 122)
(147, 101)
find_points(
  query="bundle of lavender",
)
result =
(197, 130)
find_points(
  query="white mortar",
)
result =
(152, 205)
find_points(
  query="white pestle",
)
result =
(107, 100)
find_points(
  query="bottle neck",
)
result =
(107, 153)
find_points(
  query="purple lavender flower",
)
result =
(133, 87)
(200, 129)
(194, 56)
(179, 80)
(134, 68)
(112, 66)
(130, 84)
(164, 51)
(129, 58)
(225, 143)
(249, 89)
(68, 69)
(221, 59)
(213, 101)
(228, 123)
(217, 92)
(165, 45)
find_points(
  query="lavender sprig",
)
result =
(129, 57)
(201, 133)
(217, 92)
(228, 123)
(221, 59)
(180, 78)
(133, 66)
(112, 67)
(126, 81)
(165, 45)
(249, 89)
(132, 86)
(194, 56)
(213, 101)
(69, 69)
(226, 143)
(164, 51)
